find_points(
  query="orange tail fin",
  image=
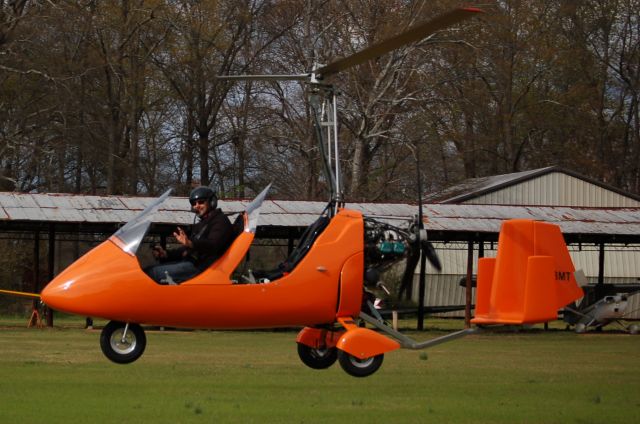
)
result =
(529, 280)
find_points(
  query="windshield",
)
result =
(253, 209)
(130, 235)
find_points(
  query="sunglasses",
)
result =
(198, 202)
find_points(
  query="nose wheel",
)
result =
(122, 343)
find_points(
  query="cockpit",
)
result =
(132, 235)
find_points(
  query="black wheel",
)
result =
(359, 367)
(121, 347)
(318, 359)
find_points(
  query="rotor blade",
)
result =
(292, 77)
(415, 33)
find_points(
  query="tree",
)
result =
(122, 96)
(207, 40)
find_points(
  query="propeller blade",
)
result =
(409, 271)
(415, 33)
(430, 252)
(292, 77)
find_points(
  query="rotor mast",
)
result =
(324, 105)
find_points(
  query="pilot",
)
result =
(206, 241)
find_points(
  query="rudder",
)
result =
(529, 280)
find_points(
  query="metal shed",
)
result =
(590, 214)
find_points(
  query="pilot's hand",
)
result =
(158, 252)
(182, 238)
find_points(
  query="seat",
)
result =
(238, 226)
(304, 245)
(306, 241)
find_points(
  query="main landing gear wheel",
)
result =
(318, 359)
(359, 367)
(122, 343)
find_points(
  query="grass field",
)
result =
(59, 375)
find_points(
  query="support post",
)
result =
(421, 290)
(51, 254)
(599, 289)
(467, 306)
(35, 284)
(36, 263)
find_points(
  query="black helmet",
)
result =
(203, 193)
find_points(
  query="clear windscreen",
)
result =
(130, 236)
(253, 209)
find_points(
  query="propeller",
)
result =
(422, 250)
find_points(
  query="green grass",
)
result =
(59, 375)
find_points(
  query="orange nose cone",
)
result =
(64, 292)
(53, 295)
(91, 283)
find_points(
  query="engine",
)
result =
(384, 245)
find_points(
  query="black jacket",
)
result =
(211, 237)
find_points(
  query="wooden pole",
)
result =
(599, 289)
(50, 267)
(421, 289)
(35, 287)
(467, 307)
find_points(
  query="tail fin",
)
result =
(529, 280)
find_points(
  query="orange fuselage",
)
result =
(108, 283)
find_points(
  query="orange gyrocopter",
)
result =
(321, 284)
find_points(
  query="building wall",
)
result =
(622, 263)
(621, 267)
(555, 189)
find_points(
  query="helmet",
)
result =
(203, 193)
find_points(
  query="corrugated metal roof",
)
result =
(488, 218)
(439, 217)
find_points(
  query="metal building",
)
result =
(613, 261)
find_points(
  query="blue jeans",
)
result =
(172, 272)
